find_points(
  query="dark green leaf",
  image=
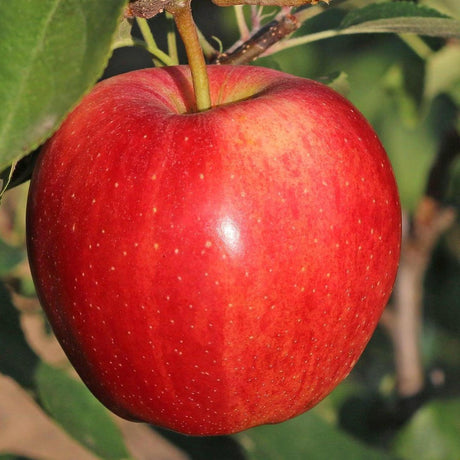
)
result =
(18, 172)
(338, 81)
(400, 17)
(433, 433)
(205, 447)
(5, 179)
(404, 82)
(430, 27)
(10, 256)
(392, 10)
(51, 53)
(17, 359)
(305, 437)
(73, 407)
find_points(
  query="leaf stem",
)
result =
(171, 40)
(417, 45)
(208, 50)
(185, 24)
(241, 22)
(160, 57)
(146, 32)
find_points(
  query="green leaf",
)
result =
(433, 433)
(305, 437)
(10, 256)
(404, 82)
(442, 72)
(5, 179)
(51, 53)
(430, 27)
(400, 17)
(392, 10)
(73, 407)
(338, 81)
(123, 35)
(451, 7)
(17, 359)
(204, 447)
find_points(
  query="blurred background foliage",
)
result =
(409, 89)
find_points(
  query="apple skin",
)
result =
(209, 272)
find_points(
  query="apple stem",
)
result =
(185, 24)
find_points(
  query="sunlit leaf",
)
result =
(433, 433)
(305, 437)
(442, 71)
(400, 17)
(378, 11)
(51, 53)
(430, 27)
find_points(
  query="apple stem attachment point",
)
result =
(186, 27)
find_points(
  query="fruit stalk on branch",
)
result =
(182, 13)
(149, 8)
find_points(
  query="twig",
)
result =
(146, 8)
(260, 41)
(267, 39)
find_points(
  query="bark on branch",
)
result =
(260, 41)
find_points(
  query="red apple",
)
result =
(209, 272)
